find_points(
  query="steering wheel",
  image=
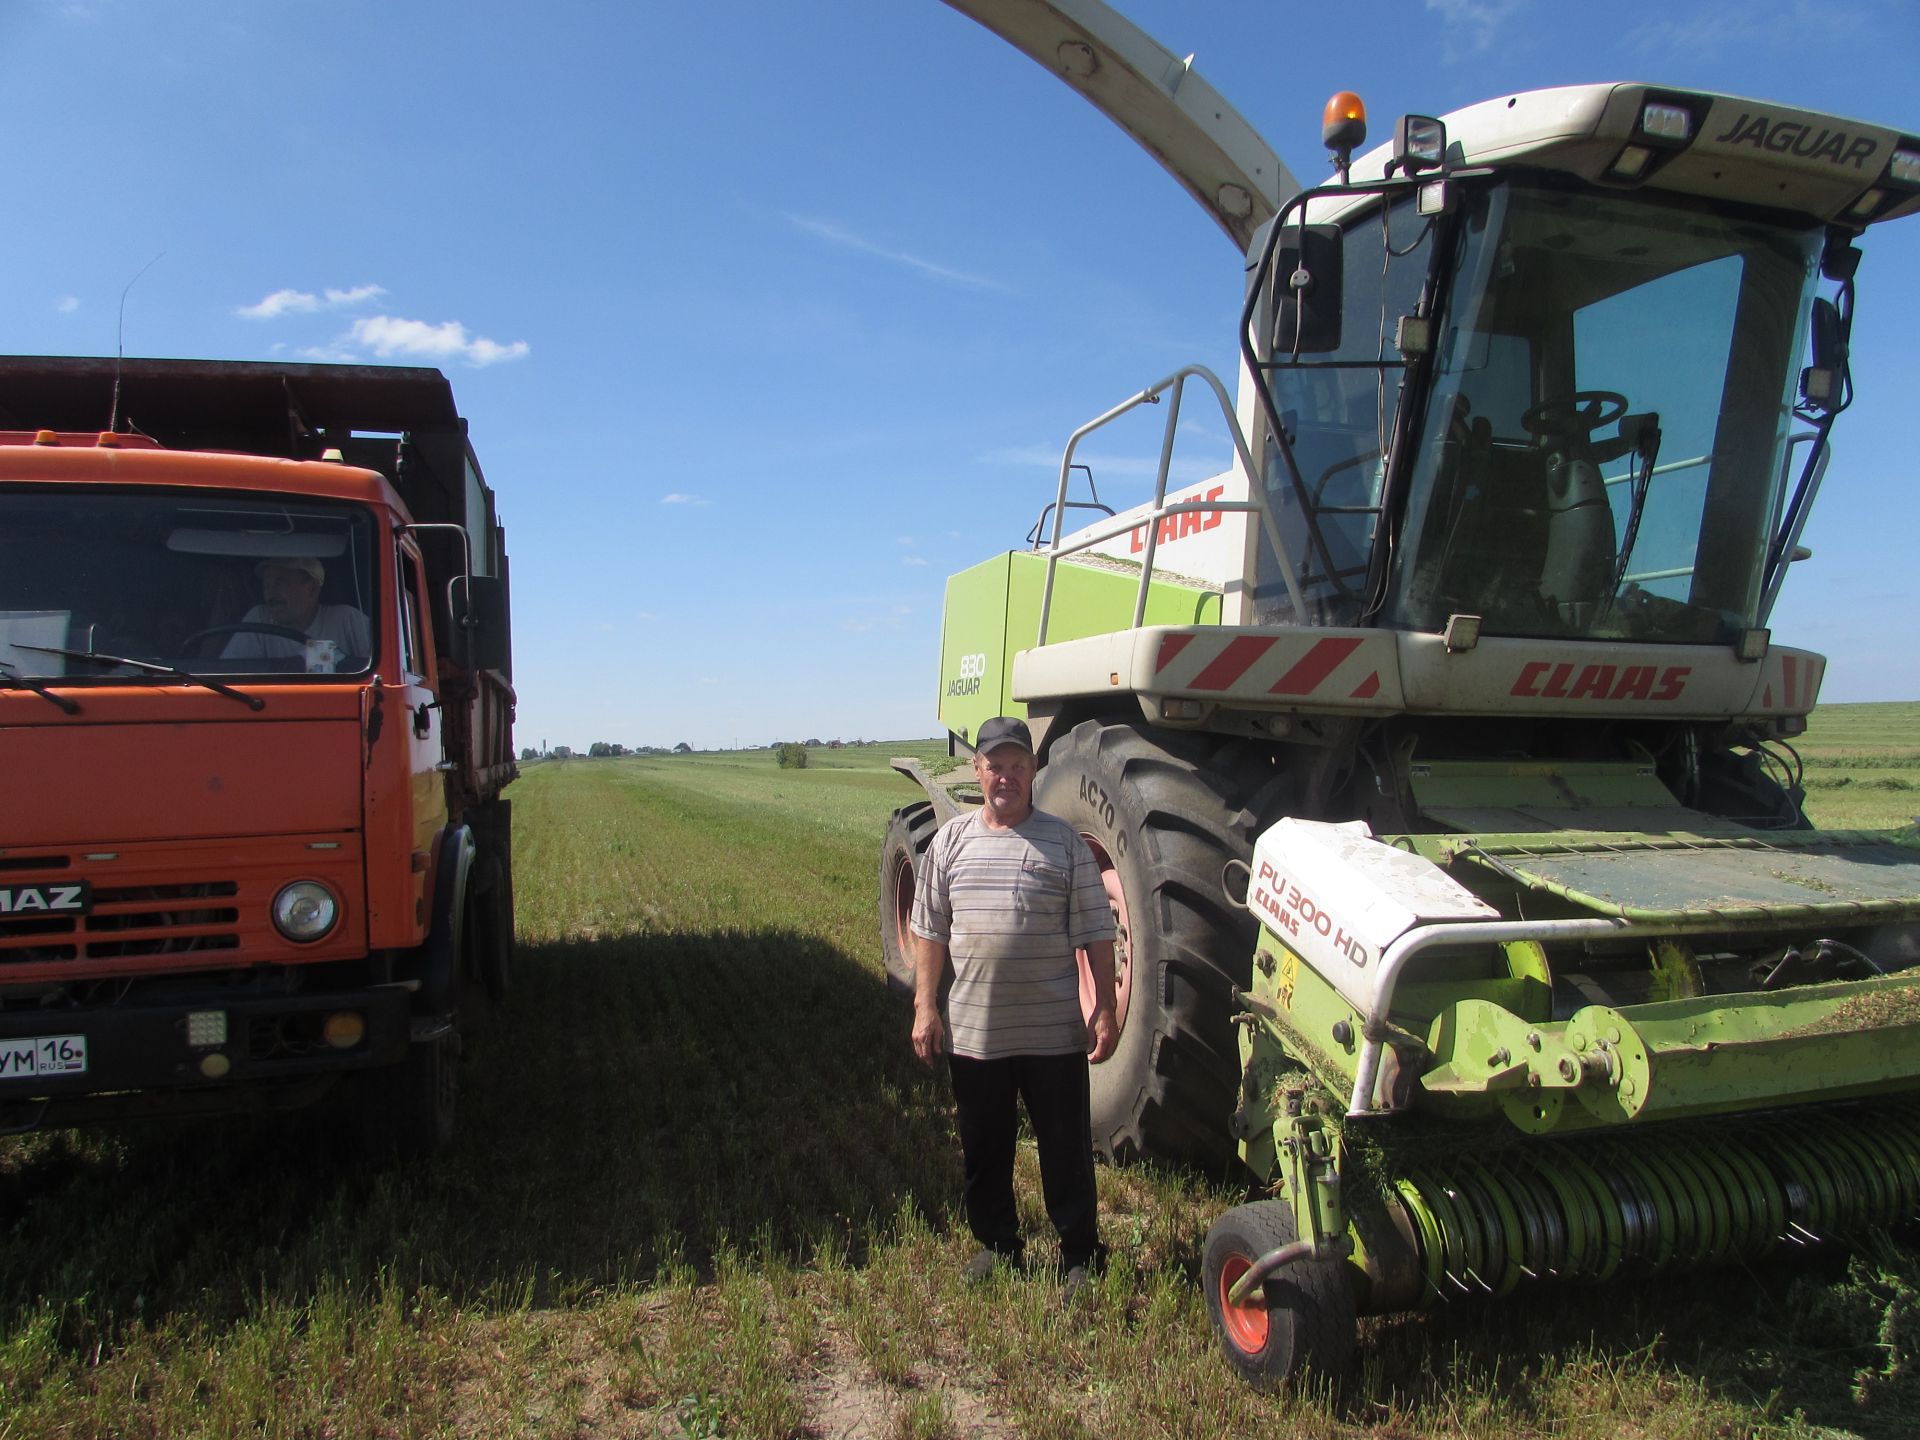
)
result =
(246, 627)
(1578, 414)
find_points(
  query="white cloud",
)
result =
(1474, 25)
(912, 560)
(67, 304)
(280, 302)
(1793, 26)
(390, 335)
(677, 497)
(305, 302)
(847, 240)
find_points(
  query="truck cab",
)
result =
(255, 706)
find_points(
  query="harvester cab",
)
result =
(1436, 753)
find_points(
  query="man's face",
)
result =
(292, 597)
(1006, 779)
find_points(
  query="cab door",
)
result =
(418, 714)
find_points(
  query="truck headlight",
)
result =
(305, 910)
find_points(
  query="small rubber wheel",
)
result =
(1304, 1319)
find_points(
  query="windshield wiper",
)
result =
(12, 679)
(94, 657)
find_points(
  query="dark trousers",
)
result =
(1054, 1088)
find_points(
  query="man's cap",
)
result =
(1003, 730)
(305, 564)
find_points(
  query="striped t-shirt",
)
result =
(1012, 906)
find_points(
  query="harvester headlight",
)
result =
(1667, 122)
(1420, 142)
(1905, 167)
(1632, 161)
(305, 910)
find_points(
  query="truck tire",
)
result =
(1164, 814)
(909, 832)
(491, 930)
(1306, 1319)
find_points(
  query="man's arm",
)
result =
(929, 1030)
(1102, 1033)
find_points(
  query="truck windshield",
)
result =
(1607, 433)
(210, 583)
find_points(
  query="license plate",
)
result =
(35, 1056)
(69, 897)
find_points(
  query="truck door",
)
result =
(420, 711)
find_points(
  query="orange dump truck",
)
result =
(255, 721)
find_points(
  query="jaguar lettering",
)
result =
(1808, 142)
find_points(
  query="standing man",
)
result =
(1006, 894)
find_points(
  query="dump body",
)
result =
(246, 858)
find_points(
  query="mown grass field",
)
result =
(1862, 766)
(701, 1188)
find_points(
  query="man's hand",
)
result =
(929, 1034)
(1102, 1035)
(930, 961)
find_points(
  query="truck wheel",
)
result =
(1163, 815)
(1305, 1320)
(492, 932)
(407, 1113)
(909, 832)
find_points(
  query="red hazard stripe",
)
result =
(1170, 646)
(1368, 688)
(1231, 663)
(1314, 666)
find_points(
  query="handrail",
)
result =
(1175, 382)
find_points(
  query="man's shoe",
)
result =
(981, 1267)
(1076, 1284)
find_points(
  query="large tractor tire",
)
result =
(909, 833)
(1164, 815)
(1303, 1318)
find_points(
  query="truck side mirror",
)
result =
(1306, 281)
(480, 622)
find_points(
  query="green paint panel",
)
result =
(1607, 1066)
(1787, 876)
(993, 613)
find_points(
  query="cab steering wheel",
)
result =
(1575, 416)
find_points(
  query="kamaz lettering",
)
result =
(1178, 527)
(1784, 137)
(38, 899)
(1544, 680)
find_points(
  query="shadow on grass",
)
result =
(640, 1099)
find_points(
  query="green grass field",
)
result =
(1862, 766)
(701, 1188)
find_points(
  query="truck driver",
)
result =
(290, 600)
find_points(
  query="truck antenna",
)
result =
(120, 342)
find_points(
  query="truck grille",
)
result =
(134, 920)
(144, 918)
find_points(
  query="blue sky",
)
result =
(768, 315)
